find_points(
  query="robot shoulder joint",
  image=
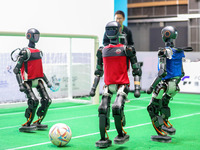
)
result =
(130, 51)
(25, 54)
(99, 52)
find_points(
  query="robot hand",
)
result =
(92, 92)
(137, 93)
(150, 90)
(49, 85)
(98, 72)
(21, 87)
(94, 86)
(137, 71)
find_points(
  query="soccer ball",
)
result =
(60, 134)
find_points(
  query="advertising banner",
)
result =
(190, 83)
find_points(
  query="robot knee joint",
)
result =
(33, 103)
(151, 110)
(105, 105)
(103, 109)
(165, 111)
(49, 102)
(45, 102)
(118, 105)
(116, 109)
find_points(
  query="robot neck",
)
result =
(31, 44)
(169, 43)
(114, 41)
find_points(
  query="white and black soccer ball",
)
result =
(60, 134)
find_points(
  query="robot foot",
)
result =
(27, 128)
(103, 143)
(170, 130)
(121, 140)
(160, 138)
(40, 126)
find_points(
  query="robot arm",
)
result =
(98, 72)
(162, 72)
(136, 67)
(49, 85)
(183, 74)
(99, 67)
(23, 56)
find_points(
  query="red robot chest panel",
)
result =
(115, 65)
(32, 68)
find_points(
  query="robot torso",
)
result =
(115, 64)
(174, 64)
(32, 67)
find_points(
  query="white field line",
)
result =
(133, 99)
(195, 100)
(172, 101)
(76, 137)
(184, 103)
(52, 109)
(58, 120)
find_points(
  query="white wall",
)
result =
(57, 16)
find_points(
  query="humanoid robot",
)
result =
(113, 61)
(29, 74)
(165, 86)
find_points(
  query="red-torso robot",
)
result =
(29, 74)
(32, 68)
(115, 64)
(113, 61)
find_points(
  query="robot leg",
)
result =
(165, 113)
(154, 109)
(45, 103)
(104, 121)
(157, 121)
(118, 114)
(30, 111)
(172, 89)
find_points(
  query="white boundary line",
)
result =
(135, 99)
(76, 137)
(50, 109)
(171, 101)
(184, 103)
(60, 100)
(196, 100)
(96, 115)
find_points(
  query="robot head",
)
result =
(169, 33)
(113, 30)
(33, 35)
